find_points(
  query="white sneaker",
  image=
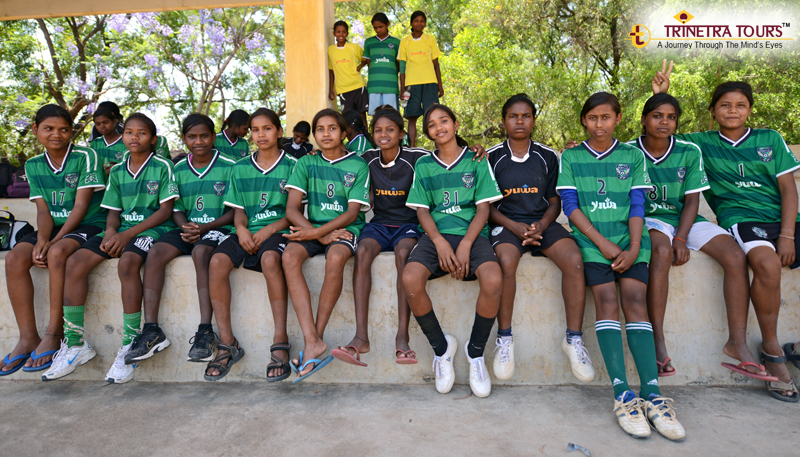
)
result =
(579, 358)
(503, 365)
(67, 359)
(119, 373)
(443, 366)
(628, 408)
(479, 380)
(662, 416)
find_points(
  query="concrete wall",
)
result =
(696, 325)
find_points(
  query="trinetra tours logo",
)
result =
(714, 31)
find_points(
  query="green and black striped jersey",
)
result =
(603, 181)
(260, 193)
(109, 152)
(202, 191)
(674, 175)
(330, 185)
(743, 174)
(453, 192)
(58, 186)
(236, 150)
(359, 145)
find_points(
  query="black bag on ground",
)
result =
(12, 230)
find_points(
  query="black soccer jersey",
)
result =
(296, 150)
(390, 185)
(526, 183)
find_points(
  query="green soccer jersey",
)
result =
(676, 174)
(330, 185)
(453, 192)
(260, 193)
(58, 186)
(743, 174)
(603, 182)
(382, 56)
(202, 192)
(235, 150)
(112, 152)
(359, 145)
(139, 195)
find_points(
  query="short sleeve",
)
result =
(367, 45)
(401, 54)
(359, 192)
(233, 196)
(91, 175)
(641, 180)
(566, 179)
(299, 178)
(36, 191)
(551, 160)
(785, 160)
(418, 196)
(487, 190)
(696, 179)
(435, 52)
(170, 190)
(111, 198)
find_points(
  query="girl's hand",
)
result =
(336, 235)
(113, 245)
(462, 255)
(331, 95)
(246, 242)
(609, 250)
(302, 234)
(661, 79)
(786, 251)
(40, 253)
(681, 252)
(624, 260)
(441, 91)
(262, 234)
(570, 144)
(191, 239)
(480, 153)
(533, 236)
(519, 229)
(447, 258)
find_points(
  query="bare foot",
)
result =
(311, 351)
(662, 354)
(777, 369)
(361, 344)
(741, 352)
(23, 347)
(401, 343)
(48, 343)
(283, 356)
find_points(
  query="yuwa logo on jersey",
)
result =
(520, 190)
(266, 215)
(335, 206)
(133, 216)
(391, 193)
(607, 204)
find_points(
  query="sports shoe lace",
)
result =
(664, 407)
(61, 354)
(633, 407)
(438, 366)
(504, 346)
(581, 352)
(204, 338)
(119, 362)
(479, 368)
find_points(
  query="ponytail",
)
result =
(237, 117)
(353, 119)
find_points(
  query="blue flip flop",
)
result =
(35, 357)
(293, 366)
(7, 361)
(317, 366)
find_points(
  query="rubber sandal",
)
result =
(345, 356)
(774, 386)
(740, 369)
(408, 357)
(317, 366)
(791, 356)
(663, 374)
(278, 363)
(35, 357)
(7, 362)
(234, 354)
(294, 367)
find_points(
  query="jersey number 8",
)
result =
(331, 189)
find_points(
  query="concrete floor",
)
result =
(81, 418)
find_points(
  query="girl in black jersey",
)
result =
(525, 221)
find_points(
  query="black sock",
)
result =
(149, 325)
(480, 335)
(202, 328)
(430, 327)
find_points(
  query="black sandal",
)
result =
(792, 354)
(278, 363)
(774, 388)
(223, 363)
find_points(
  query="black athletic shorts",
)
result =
(211, 238)
(425, 253)
(314, 247)
(81, 234)
(422, 97)
(231, 248)
(554, 232)
(753, 234)
(597, 273)
(140, 245)
(357, 100)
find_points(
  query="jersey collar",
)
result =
(393, 162)
(208, 168)
(349, 153)
(136, 175)
(232, 143)
(383, 39)
(649, 156)
(108, 145)
(516, 159)
(435, 156)
(736, 143)
(63, 162)
(253, 160)
(604, 154)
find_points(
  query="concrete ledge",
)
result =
(695, 321)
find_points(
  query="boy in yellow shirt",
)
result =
(346, 81)
(419, 72)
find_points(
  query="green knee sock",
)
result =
(130, 324)
(643, 348)
(609, 337)
(73, 325)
